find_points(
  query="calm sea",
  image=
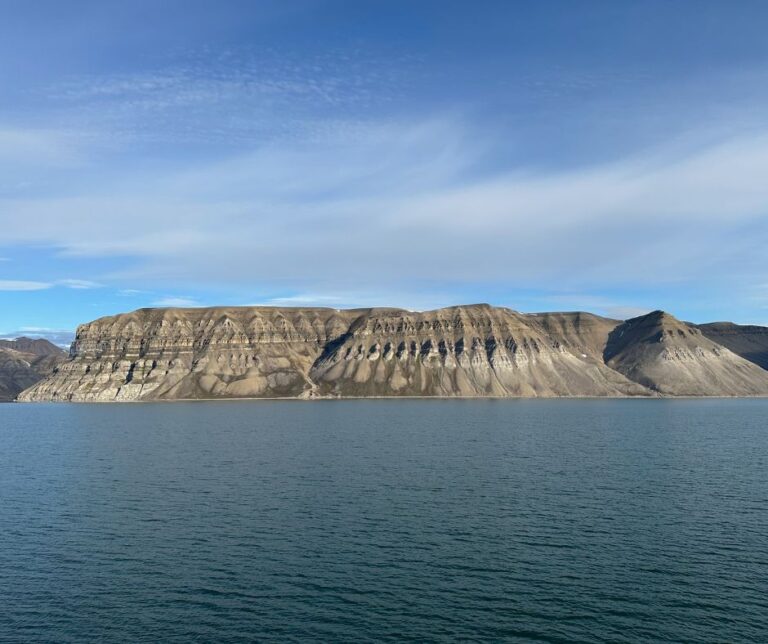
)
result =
(385, 520)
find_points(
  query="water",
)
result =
(556, 521)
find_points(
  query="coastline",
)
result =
(299, 399)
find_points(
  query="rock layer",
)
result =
(477, 350)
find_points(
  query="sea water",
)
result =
(385, 520)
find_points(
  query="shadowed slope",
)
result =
(675, 358)
(750, 342)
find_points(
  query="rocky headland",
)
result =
(472, 351)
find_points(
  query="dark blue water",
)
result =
(557, 521)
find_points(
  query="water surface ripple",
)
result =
(383, 520)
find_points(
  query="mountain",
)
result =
(675, 358)
(462, 351)
(37, 347)
(476, 350)
(23, 362)
(750, 342)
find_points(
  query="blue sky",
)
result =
(607, 156)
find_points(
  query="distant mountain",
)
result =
(474, 351)
(38, 347)
(23, 362)
(750, 342)
(675, 358)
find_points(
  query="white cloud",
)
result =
(244, 96)
(593, 303)
(399, 206)
(305, 299)
(409, 300)
(78, 284)
(176, 301)
(31, 285)
(23, 285)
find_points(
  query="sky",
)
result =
(540, 155)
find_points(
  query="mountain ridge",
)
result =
(465, 350)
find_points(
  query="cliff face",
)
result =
(194, 353)
(476, 350)
(23, 362)
(463, 351)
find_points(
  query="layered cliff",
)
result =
(463, 351)
(23, 362)
(195, 353)
(478, 350)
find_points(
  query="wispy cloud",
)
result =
(397, 204)
(78, 284)
(406, 299)
(626, 312)
(176, 301)
(264, 94)
(23, 285)
(307, 186)
(33, 285)
(305, 299)
(604, 305)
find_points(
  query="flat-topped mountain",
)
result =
(23, 362)
(477, 350)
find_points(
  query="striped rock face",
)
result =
(478, 350)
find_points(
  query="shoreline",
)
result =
(298, 399)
